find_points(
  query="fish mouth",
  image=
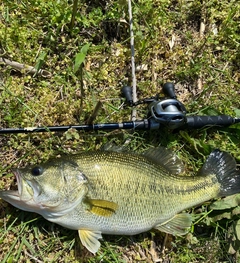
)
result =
(25, 190)
(22, 194)
(15, 193)
(19, 183)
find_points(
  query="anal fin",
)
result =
(177, 225)
(89, 239)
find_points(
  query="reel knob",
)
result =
(127, 93)
(169, 91)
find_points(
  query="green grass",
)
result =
(39, 33)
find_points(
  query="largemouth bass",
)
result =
(121, 193)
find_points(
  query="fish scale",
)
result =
(121, 193)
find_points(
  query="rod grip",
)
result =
(202, 121)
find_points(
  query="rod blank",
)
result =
(192, 122)
(144, 124)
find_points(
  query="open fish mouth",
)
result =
(20, 193)
(24, 195)
(17, 189)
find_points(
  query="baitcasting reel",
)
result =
(169, 112)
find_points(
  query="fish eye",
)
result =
(37, 170)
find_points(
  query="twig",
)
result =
(134, 82)
(95, 112)
(164, 243)
(202, 28)
(203, 21)
(26, 68)
(74, 12)
(32, 257)
(201, 35)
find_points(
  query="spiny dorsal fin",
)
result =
(89, 239)
(177, 225)
(166, 158)
(111, 147)
(101, 207)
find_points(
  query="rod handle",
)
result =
(202, 121)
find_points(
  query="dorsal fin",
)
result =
(166, 158)
(111, 147)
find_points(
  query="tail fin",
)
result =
(223, 165)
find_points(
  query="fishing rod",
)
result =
(168, 112)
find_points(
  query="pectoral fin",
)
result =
(178, 225)
(89, 239)
(101, 207)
